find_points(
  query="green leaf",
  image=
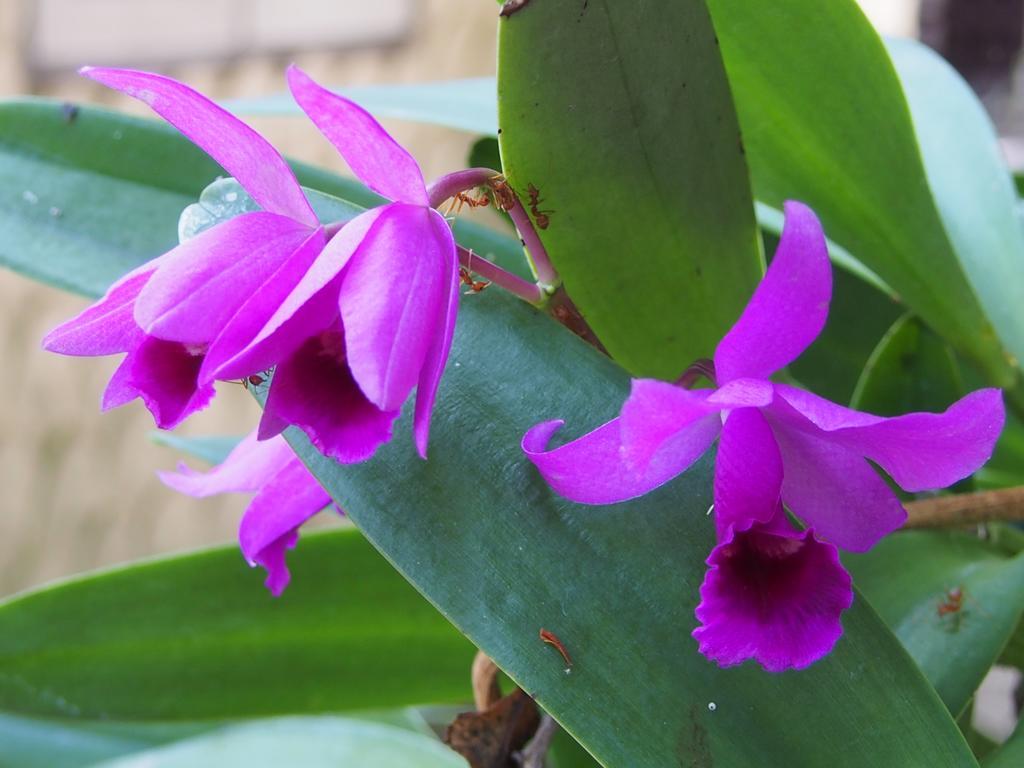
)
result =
(972, 186)
(199, 637)
(912, 369)
(825, 121)
(85, 200)
(310, 742)
(483, 537)
(468, 105)
(63, 743)
(907, 576)
(619, 114)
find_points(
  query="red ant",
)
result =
(254, 380)
(951, 602)
(541, 217)
(504, 197)
(463, 198)
(952, 605)
(475, 286)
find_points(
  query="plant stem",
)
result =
(453, 183)
(524, 289)
(966, 509)
(534, 754)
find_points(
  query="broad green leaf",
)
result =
(468, 105)
(907, 577)
(73, 743)
(501, 556)
(310, 742)
(199, 637)
(824, 120)
(87, 194)
(619, 116)
(912, 369)
(972, 186)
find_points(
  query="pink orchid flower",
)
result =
(774, 593)
(373, 316)
(287, 495)
(166, 314)
(353, 317)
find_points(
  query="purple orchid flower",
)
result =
(774, 593)
(353, 317)
(371, 318)
(166, 314)
(287, 495)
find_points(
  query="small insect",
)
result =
(952, 602)
(952, 610)
(70, 111)
(475, 286)
(552, 639)
(504, 197)
(512, 6)
(540, 216)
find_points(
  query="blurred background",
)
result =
(78, 489)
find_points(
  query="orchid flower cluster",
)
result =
(354, 316)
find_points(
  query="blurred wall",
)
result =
(78, 489)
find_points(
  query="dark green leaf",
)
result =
(907, 577)
(825, 121)
(501, 556)
(619, 115)
(199, 637)
(84, 200)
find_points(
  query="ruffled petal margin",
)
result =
(774, 595)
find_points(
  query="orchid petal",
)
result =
(835, 490)
(253, 315)
(748, 472)
(376, 158)
(743, 393)
(271, 522)
(309, 307)
(391, 301)
(245, 469)
(119, 389)
(788, 309)
(314, 390)
(203, 282)
(592, 470)
(437, 353)
(772, 595)
(920, 451)
(654, 413)
(164, 374)
(108, 326)
(242, 152)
